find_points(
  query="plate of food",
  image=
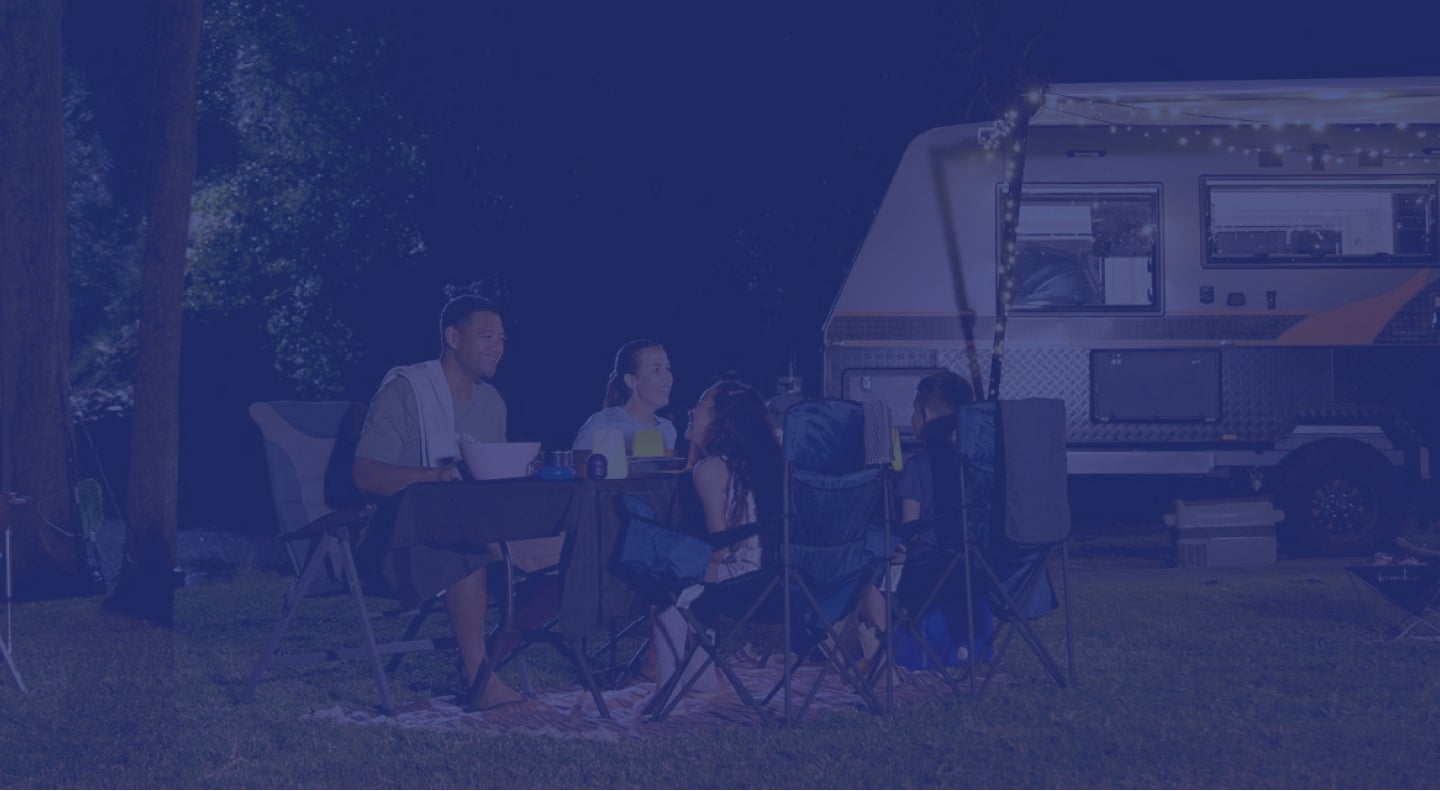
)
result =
(647, 465)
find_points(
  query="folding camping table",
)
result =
(1411, 591)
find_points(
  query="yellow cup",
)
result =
(648, 442)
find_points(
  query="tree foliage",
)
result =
(103, 245)
(320, 185)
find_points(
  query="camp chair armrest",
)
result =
(908, 530)
(734, 535)
(347, 517)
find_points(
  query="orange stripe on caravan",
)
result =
(1355, 324)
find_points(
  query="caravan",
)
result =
(1229, 278)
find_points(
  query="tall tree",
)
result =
(146, 586)
(34, 336)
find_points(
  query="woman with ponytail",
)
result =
(638, 387)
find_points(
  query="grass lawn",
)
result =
(1187, 678)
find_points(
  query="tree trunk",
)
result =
(146, 588)
(35, 422)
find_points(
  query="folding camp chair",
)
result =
(984, 576)
(821, 561)
(309, 448)
(1403, 600)
(6, 500)
(1016, 450)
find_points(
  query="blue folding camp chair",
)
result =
(821, 558)
(976, 577)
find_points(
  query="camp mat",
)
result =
(571, 712)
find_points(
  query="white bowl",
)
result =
(489, 461)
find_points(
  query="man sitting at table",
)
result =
(412, 435)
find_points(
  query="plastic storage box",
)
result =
(1238, 531)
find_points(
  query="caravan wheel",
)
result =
(1340, 497)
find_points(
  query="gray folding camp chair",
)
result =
(309, 450)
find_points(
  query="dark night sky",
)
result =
(641, 148)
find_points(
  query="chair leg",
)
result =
(292, 604)
(577, 656)
(339, 540)
(835, 654)
(347, 558)
(426, 610)
(669, 697)
(613, 670)
(1017, 619)
(1069, 624)
(20, 682)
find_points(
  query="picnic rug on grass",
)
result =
(570, 712)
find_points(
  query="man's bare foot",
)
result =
(496, 694)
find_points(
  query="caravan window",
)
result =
(1087, 248)
(1320, 221)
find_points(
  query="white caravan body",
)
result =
(1215, 277)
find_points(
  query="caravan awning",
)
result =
(1407, 100)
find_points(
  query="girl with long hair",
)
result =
(738, 469)
(737, 479)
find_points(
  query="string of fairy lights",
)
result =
(1195, 129)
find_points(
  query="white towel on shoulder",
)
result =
(436, 410)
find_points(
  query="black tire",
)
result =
(1340, 497)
